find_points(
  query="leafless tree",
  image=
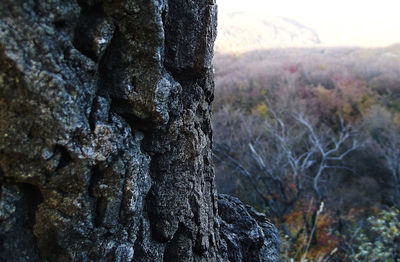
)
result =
(289, 151)
(331, 150)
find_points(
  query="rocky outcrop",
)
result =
(248, 234)
(105, 137)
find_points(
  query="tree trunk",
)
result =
(105, 137)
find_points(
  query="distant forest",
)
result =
(311, 137)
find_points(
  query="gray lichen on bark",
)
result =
(105, 136)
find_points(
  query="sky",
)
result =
(338, 22)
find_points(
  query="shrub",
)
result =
(380, 239)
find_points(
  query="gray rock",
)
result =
(105, 137)
(248, 234)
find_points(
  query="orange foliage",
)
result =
(299, 223)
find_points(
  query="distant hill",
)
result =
(245, 31)
(231, 68)
(248, 30)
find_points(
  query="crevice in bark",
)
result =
(65, 157)
(1, 176)
(101, 202)
(101, 206)
(25, 198)
(33, 198)
(180, 246)
(96, 176)
(112, 66)
(85, 32)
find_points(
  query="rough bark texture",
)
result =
(105, 138)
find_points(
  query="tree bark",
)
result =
(105, 136)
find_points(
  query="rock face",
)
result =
(105, 137)
(248, 234)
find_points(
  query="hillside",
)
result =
(310, 136)
(231, 68)
(246, 31)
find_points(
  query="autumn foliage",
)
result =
(276, 107)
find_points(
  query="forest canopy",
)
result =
(311, 137)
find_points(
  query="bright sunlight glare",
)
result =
(368, 23)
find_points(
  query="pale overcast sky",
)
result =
(338, 22)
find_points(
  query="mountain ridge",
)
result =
(244, 31)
